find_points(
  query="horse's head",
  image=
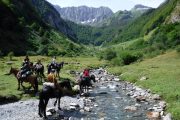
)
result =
(12, 71)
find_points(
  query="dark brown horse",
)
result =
(50, 92)
(84, 84)
(32, 79)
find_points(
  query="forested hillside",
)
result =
(151, 34)
(24, 29)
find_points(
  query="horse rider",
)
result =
(25, 69)
(52, 65)
(39, 65)
(86, 75)
(26, 59)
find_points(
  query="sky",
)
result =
(115, 5)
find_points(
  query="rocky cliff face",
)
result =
(49, 14)
(85, 15)
(175, 15)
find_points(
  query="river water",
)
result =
(111, 101)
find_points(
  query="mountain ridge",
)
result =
(85, 15)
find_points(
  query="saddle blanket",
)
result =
(48, 84)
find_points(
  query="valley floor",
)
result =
(162, 76)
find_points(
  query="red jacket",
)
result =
(86, 73)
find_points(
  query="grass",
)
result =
(164, 78)
(8, 84)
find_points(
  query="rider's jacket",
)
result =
(86, 73)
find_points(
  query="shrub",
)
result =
(1, 53)
(109, 54)
(128, 57)
(117, 61)
(178, 49)
(10, 55)
(31, 53)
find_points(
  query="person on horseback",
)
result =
(25, 69)
(39, 68)
(26, 59)
(52, 65)
(38, 64)
(86, 75)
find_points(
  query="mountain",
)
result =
(28, 29)
(85, 15)
(149, 21)
(106, 30)
(50, 16)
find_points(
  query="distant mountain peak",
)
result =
(84, 14)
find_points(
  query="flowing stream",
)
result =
(109, 99)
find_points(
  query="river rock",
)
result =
(137, 105)
(76, 88)
(140, 98)
(72, 108)
(88, 109)
(52, 110)
(143, 78)
(156, 97)
(153, 115)
(95, 105)
(168, 117)
(116, 79)
(48, 113)
(130, 108)
(74, 104)
(162, 104)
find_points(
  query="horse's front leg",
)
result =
(46, 102)
(22, 84)
(59, 108)
(18, 84)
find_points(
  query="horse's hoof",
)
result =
(40, 115)
(59, 108)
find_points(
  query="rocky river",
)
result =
(109, 99)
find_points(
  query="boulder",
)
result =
(153, 115)
(130, 108)
(76, 88)
(168, 117)
(156, 97)
(74, 104)
(143, 78)
(162, 104)
(88, 109)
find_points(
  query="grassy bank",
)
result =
(8, 84)
(163, 74)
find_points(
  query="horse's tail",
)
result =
(36, 84)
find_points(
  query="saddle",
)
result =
(23, 76)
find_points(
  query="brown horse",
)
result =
(32, 79)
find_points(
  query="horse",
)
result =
(39, 71)
(49, 92)
(85, 83)
(57, 67)
(32, 79)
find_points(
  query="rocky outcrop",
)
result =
(85, 15)
(175, 15)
